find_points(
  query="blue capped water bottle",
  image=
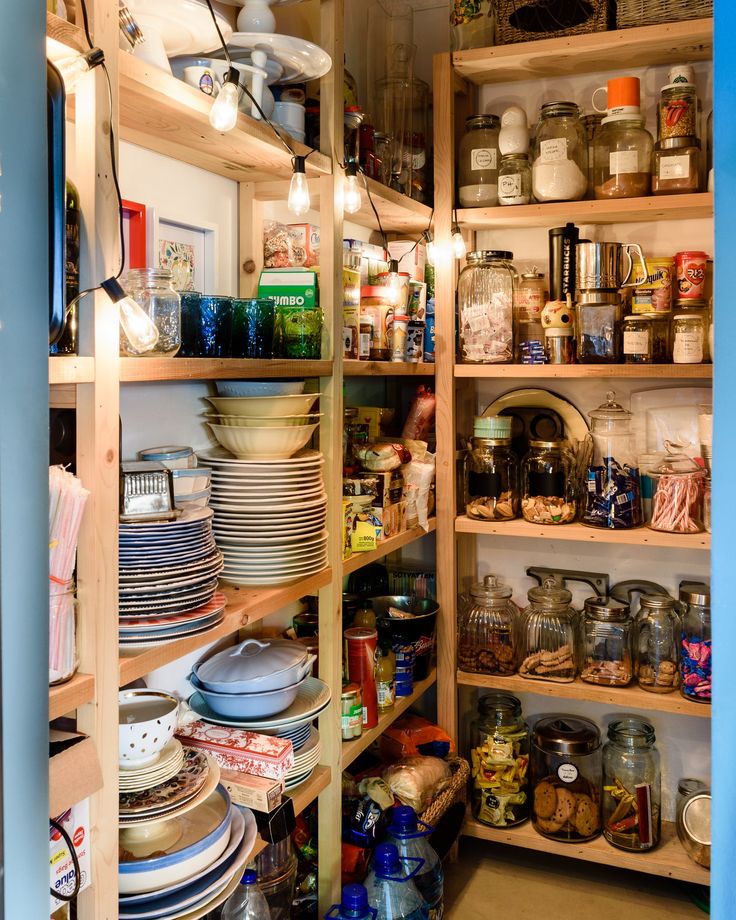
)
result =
(409, 834)
(247, 902)
(354, 905)
(390, 886)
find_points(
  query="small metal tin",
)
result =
(693, 827)
(146, 492)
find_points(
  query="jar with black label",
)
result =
(478, 162)
(632, 786)
(566, 778)
(491, 480)
(548, 484)
(638, 339)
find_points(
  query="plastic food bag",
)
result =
(420, 419)
(416, 781)
(418, 479)
(408, 733)
(277, 245)
(380, 458)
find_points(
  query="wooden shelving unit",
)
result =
(387, 369)
(70, 369)
(542, 372)
(358, 560)
(138, 370)
(68, 697)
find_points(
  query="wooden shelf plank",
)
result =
(570, 371)
(668, 860)
(358, 560)
(353, 368)
(622, 211)
(245, 606)
(70, 369)
(143, 369)
(351, 749)
(632, 697)
(646, 46)
(639, 536)
(66, 33)
(65, 698)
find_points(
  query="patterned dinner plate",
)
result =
(183, 786)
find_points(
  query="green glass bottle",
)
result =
(67, 344)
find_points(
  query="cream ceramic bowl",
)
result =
(281, 421)
(146, 723)
(264, 406)
(259, 387)
(263, 443)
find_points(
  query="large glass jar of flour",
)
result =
(478, 161)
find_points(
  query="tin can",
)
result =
(653, 294)
(690, 268)
(361, 655)
(417, 307)
(351, 712)
(415, 342)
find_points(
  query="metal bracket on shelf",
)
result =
(598, 581)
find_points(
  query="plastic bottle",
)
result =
(410, 837)
(390, 886)
(385, 678)
(353, 906)
(247, 902)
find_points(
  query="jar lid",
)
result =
(550, 109)
(639, 317)
(550, 445)
(504, 706)
(489, 255)
(349, 413)
(695, 592)
(610, 410)
(549, 594)
(689, 786)
(692, 316)
(696, 818)
(532, 275)
(679, 75)
(677, 463)
(375, 290)
(607, 608)
(638, 120)
(491, 588)
(349, 691)
(674, 143)
(492, 426)
(514, 156)
(567, 735)
(633, 731)
(483, 121)
(693, 303)
(656, 601)
(484, 441)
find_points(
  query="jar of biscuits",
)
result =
(488, 629)
(631, 786)
(657, 643)
(549, 628)
(607, 630)
(500, 761)
(548, 484)
(491, 480)
(566, 778)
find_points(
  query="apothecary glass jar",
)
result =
(677, 505)
(657, 643)
(478, 160)
(500, 761)
(623, 158)
(606, 642)
(152, 290)
(549, 634)
(548, 484)
(488, 629)
(491, 480)
(566, 778)
(485, 294)
(560, 154)
(632, 786)
(514, 179)
(695, 647)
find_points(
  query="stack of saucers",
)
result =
(305, 760)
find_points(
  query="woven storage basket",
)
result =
(630, 13)
(529, 20)
(457, 791)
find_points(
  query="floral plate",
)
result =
(172, 793)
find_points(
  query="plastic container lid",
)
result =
(167, 452)
(250, 877)
(492, 426)
(251, 660)
(355, 899)
(403, 822)
(567, 735)
(386, 860)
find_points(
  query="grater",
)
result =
(146, 492)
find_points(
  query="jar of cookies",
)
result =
(606, 642)
(488, 629)
(548, 484)
(657, 643)
(549, 628)
(500, 761)
(491, 480)
(631, 786)
(566, 778)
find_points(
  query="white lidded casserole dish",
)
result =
(255, 666)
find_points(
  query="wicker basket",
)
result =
(631, 13)
(457, 791)
(529, 20)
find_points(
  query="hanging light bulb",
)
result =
(394, 282)
(352, 198)
(137, 324)
(431, 248)
(459, 249)
(75, 66)
(224, 111)
(298, 202)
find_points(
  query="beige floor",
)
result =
(491, 882)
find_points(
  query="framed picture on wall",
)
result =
(134, 234)
(187, 250)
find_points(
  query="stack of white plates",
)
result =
(269, 516)
(166, 766)
(305, 761)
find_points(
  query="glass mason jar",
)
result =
(566, 778)
(548, 484)
(613, 484)
(638, 339)
(677, 505)
(695, 648)
(606, 642)
(688, 338)
(657, 643)
(491, 480)
(623, 158)
(560, 154)
(599, 320)
(632, 786)
(676, 167)
(478, 160)
(152, 290)
(500, 761)
(63, 659)
(514, 179)
(485, 296)
(488, 629)
(549, 634)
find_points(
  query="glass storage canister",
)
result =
(623, 158)
(491, 480)
(632, 786)
(638, 339)
(560, 154)
(514, 179)
(688, 338)
(677, 112)
(613, 485)
(377, 305)
(606, 642)
(485, 292)
(566, 778)
(152, 290)
(657, 642)
(695, 647)
(549, 634)
(676, 167)
(500, 761)
(488, 629)
(530, 297)
(677, 505)
(548, 484)
(478, 160)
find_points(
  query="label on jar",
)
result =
(552, 150)
(483, 158)
(676, 167)
(688, 347)
(636, 343)
(481, 485)
(364, 345)
(528, 304)
(509, 186)
(623, 161)
(546, 485)
(567, 772)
